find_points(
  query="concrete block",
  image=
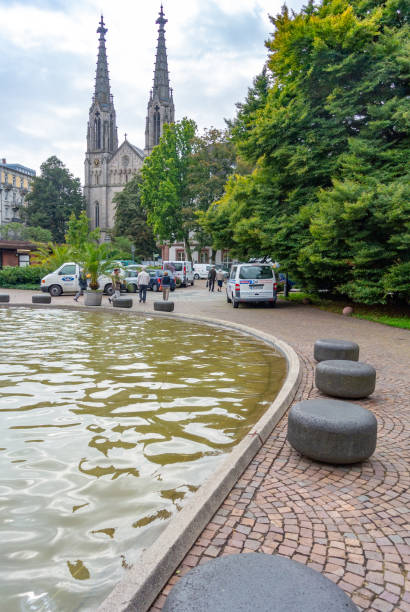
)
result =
(329, 348)
(347, 379)
(332, 431)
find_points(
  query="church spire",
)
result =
(102, 81)
(161, 76)
(161, 104)
(102, 128)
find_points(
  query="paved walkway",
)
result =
(350, 523)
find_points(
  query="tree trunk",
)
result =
(188, 249)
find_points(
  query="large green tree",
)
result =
(131, 218)
(165, 188)
(329, 145)
(54, 196)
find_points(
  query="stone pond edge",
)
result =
(149, 574)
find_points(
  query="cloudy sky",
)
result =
(48, 58)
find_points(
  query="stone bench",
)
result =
(332, 431)
(122, 302)
(41, 298)
(347, 379)
(256, 581)
(4, 297)
(164, 306)
(329, 348)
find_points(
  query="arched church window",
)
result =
(157, 125)
(97, 130)
(97, 214)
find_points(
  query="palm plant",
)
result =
(52, 255)
(96, 260)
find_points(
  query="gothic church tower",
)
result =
(102, 139)
(161, 105)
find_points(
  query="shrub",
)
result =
(14, 276)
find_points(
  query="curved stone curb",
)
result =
(145, 580)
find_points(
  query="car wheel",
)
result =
(228, 299)
(196, 276)
(172, 288)
(131, 288)
(235, 303)
(155, 287)
(192, 283)
(272, 304)
(108, 290)
(55, 290)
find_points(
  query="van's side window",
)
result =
(233, 272)
(69, 269)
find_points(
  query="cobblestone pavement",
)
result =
(351, 523)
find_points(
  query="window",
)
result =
(233, 272)
(255, 272)
(157, 126)
(203, 257)
(180, 255)
(67, 269)
(24, 260)
(97, 131)
(97, 215)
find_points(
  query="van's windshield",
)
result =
(255, 272)
(174, 266)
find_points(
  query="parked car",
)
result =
(253, 282)
(65, 280)
(181, 270)
(201, 270)
(154, 280)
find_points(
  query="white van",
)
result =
(65, 280)
(252, 282)
(201, 270)
(180, 269)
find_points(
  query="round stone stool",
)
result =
(329, 348)
(332, 431)
(256, 581)
(164, 306)
(41, 298)
(4, 297)
(122, 302)
(348, 379)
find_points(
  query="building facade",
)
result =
(109, 167)
(15, 184)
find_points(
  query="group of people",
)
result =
(215, 275)
(143, 280)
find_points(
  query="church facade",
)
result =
(108, 167)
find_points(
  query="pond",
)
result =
(109, 423)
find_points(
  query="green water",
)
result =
(108, 423)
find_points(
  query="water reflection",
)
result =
(108, 424)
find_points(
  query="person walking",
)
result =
(211, 279)
(143, 282)
(165, 285)
(116, 281)
(82, 284)
(220, 276)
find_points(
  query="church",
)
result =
(108, 167)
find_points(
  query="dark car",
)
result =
(155, 277)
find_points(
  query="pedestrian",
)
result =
(211, 279)
(116, 282)
(143, 282)
(165, 285)
(82, 285)
(220, 277)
